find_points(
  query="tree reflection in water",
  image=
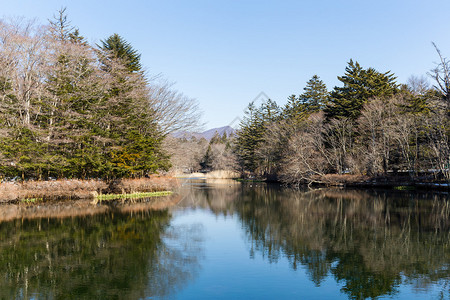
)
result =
(369, 242)
(112, 255)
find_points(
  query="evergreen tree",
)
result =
(359, 86)
(315, 94)
(126, 122)
(294, 108)
(118, 48)
(76, 38)
(313, 99)
(416, 103)
(251, 134)
(207, 160)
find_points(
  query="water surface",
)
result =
(234, 241)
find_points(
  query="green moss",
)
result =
(31, 200)
(132, 195)
(404, 188)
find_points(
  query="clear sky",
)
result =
(224, 53)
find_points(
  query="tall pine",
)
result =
(315, 94)
(313, 99)
(359, 85)
(119, 48)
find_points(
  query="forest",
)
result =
(370, 126)
(69, 109)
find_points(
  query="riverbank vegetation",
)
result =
(69, 109)
(371, 127)
(74, 189)
(107, 197)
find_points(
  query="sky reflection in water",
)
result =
(234, 241)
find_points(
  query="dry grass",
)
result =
(152, 184)
(222, 174)
(80, 189)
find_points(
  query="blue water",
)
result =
(233, 241)
(229, 271)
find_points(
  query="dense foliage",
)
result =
(68, 109)
(369, 126)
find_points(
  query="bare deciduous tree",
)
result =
(171, 109)
(418, 85)
(441, 76)
(374, 127)
(437, 132)
(339, 137)
(23, 59)
(306, 157)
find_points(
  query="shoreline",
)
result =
(360, 181)
(390, 182)
(77, 189)
(80, 200)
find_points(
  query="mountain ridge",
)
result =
(207, 134)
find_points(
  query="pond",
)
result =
(228, 240)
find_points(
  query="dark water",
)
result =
(232, 241)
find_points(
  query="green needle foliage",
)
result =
(251, 134)
(313, 99)
(359, 85)
(121, 49)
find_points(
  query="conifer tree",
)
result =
(359, 86)
(315, 94)
(251, 133)
(294, 108)
(121, 49)
(313, 99)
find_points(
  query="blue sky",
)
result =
(224, 53)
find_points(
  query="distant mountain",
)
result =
(208, 134)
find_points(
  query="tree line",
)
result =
(74, 110)
(371, 125)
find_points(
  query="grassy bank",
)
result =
(107, 197)
(74, 189)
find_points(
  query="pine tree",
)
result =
(315, 94)
(359, 86)
(76, 38)
(416, 103)
(313, 99)
(118, 48)
(251, 134)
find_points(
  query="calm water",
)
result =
(233, 241)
